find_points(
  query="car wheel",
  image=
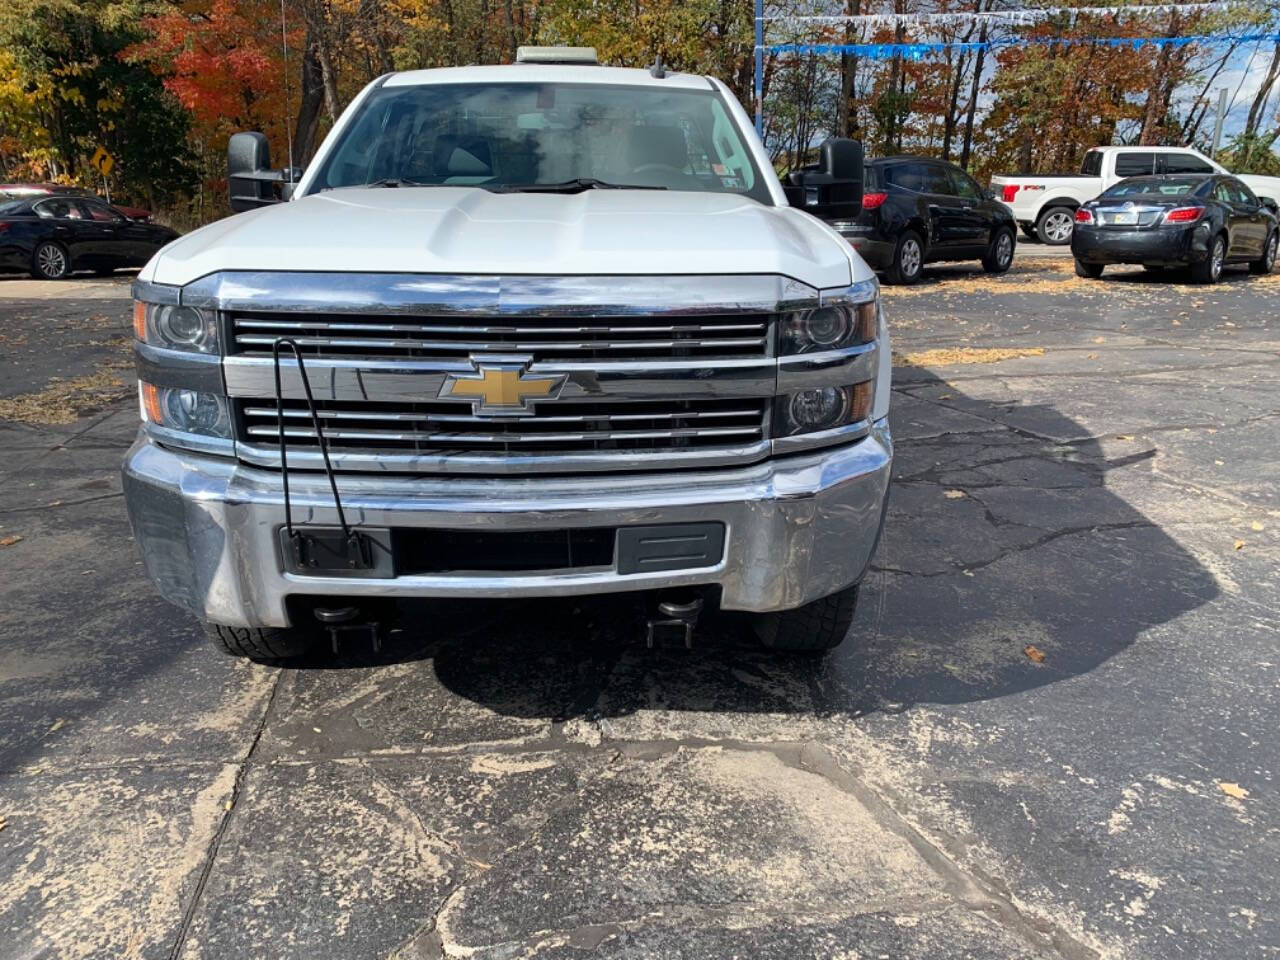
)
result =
(50, 261)
(812, 629)
(999, 257)
(1056, 225)
(267, 645)
(1267, 262)
(1209, 269)
(1090, 271)
(908, 258)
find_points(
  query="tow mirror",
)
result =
(250, 180)
(831, 190)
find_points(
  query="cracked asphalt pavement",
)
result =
(1052, 732)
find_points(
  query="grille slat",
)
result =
(543, 339)
(434, 427)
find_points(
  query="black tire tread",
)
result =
(989, 263)
(894, 274)
(259, 644)
(35, 270)
(1259, 267)
(1090, 271)
(1044, 215)
(814, 628)
(1202, 272)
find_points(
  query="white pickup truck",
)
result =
(1044, 204)
(541, 329)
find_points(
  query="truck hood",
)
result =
(465, 230)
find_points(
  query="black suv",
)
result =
(916, 211)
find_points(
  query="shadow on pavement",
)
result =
(997, 539)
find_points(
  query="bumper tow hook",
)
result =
(674, 616)
(344, 620)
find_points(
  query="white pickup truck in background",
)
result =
(1044, 204)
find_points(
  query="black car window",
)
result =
(938, 181)
(909, 176)
(59, 208)
(100, 211)
(1136, 186)
(12, 208)
(1091, 166)
(1134, 164)
(1184, 163)
(965, 185)
(1243, 193)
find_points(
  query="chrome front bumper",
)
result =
(797, 528)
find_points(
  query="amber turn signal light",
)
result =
(140, 320)
(151, 403)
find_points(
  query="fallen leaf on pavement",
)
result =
(1239, 544)
(1099, 339)
(1034, 653)
(57, 725)
(10, 540)
(1256, 526)
(1124, 436)
(954, 494)
(3, 823)
(1233, 790)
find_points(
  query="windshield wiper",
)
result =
(576, 185)
(398, 182)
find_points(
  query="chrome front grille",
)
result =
(427, 436)
(543, 339)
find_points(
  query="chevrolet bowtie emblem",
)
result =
(501, 387)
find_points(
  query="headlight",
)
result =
(823, 408)
(831, 327)
(175, 327)
(187, 411)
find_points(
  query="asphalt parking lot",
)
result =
(1053, 732)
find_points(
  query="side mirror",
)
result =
(250, 180)
(833, 189)
(1270, 204)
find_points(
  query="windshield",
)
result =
(517, 134)
(1152, 185)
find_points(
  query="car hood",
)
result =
(465, 230)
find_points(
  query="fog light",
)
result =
(818, 409)
(188, 411)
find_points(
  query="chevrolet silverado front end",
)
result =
(602, 354)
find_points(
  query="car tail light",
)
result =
(1010, 191)
(4, 225)
(1183, 215)
(870, 201)
(1084, 216)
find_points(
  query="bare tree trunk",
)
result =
(974, 86)
(304, 135)
(1258, 108)
(512, 40)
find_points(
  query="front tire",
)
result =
(269, 645)
(999, 256)
(1267, 262)
(1056, 225)
(50, 261)
(812, 629)
(908, 259)
(1209, 269)
(1089, 271)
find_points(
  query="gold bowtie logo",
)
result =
(501, 387)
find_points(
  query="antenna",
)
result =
(284, 44)
(659, 70)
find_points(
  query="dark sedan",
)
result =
(917, 211)
(1197, 222)
(55, 236)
